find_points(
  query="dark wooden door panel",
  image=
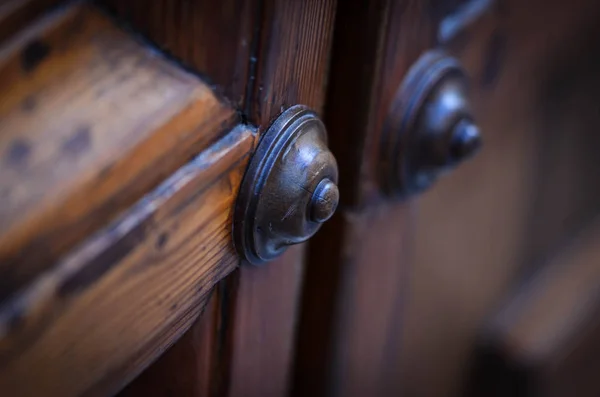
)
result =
(358, 265)
(292, 61)
(125, 129)
(480, 228)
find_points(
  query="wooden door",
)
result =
(276, 54)
(523, 209)
(126, 128)
(119, 169)
(415, 295)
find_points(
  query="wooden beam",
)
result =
(106, 310)
(91, 120)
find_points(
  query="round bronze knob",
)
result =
(430, 127)
(289, 189)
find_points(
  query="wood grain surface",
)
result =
(292, 64)
(263, 326)
(457, 229)
(91, 120)
(190, 366)
(98, 277)
(292, 57)
(255, 332)
(214, 38)
(376, 58)
(351, 322)
(113, 305)
(262, 305)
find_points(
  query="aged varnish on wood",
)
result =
(91, 121)
(119, 174)
(291, 43)
(136, 141)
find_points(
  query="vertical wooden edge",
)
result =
(292, 53)
(353, 77)
(291, 61)
(352, 307)
(357, 272)
(212, 39)
(321, 298)
(263, 325)
(186, 368)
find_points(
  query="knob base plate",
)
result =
(279, 194)
(430, 101)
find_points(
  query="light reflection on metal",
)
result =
(289, 190)
(430, 127)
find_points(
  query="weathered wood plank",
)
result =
(111, 306)
(90, 121)
(292, 58)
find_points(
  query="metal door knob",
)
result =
(430, 127)
(289, 189)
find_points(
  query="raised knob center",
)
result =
(324, 201)
(465, 140)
